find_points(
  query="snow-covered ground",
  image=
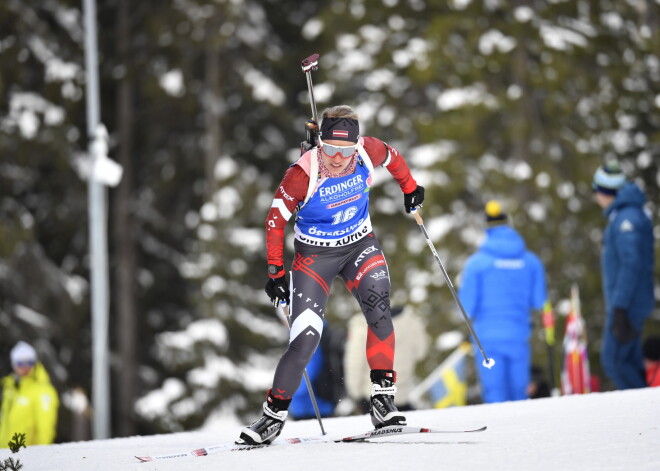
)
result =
(606, 431)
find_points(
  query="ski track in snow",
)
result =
(605, 431)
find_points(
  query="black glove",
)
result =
(278, 290)
(621, 328)
(414, 199)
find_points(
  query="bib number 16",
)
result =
(344, 215)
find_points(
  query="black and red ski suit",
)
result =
(353, 253)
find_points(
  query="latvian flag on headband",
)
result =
(340, 133)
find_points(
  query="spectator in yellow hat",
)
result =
(502, 284)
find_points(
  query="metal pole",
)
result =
(97, 236)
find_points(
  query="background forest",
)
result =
(205, 103)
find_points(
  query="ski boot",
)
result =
(381, 407)
(269, 426)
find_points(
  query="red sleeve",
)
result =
(382, 153)
(291, 191)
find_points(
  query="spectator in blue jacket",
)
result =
(502, 283)
(627, 271)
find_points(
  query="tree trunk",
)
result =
(126, 377)
(212, 108)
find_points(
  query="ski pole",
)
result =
(285, 319)
(488, 362)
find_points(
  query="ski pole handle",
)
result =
(285, 311)
(417, 216)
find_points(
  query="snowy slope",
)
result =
(606, 431)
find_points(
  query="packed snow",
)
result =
(601, 431)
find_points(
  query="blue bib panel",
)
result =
(338, 211)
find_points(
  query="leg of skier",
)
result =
(311, 278)
(367, 277)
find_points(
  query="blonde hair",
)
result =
(339, 111)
